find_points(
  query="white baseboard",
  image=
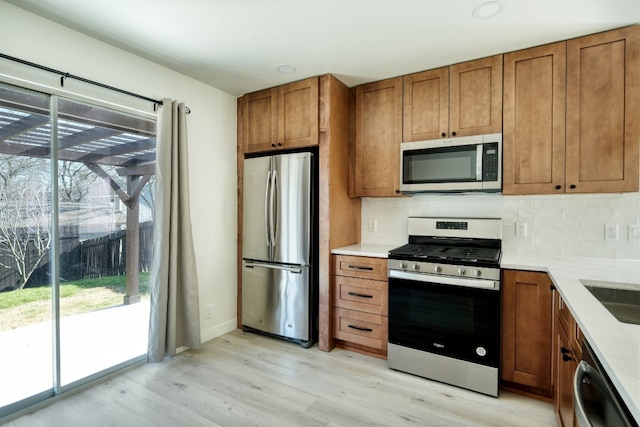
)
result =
(218, 330)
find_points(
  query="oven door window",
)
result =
(446, 164)
(453, 321)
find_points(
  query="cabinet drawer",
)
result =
(361, 294)
(361, 267)
(360, 328)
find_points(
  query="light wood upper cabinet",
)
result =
(603, 107)
(426, 105)
(534, 120)
(460, 100)
(571, 116)
(377, 139)
(281, 117)
(475, 97)
(260, 120)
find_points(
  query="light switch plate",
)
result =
(373, 225)
(634, 232)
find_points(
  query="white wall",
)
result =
(211, 131)
(563, 225)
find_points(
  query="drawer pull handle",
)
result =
(355, 294)
(357, 267)
(361, 329)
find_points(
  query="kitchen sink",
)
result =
(621, 299)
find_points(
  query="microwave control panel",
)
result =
(490, 160)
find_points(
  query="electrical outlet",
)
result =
(208, 311)
(373, 225)
(634, 232)
(521, 229)
(611, 232)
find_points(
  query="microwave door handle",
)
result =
(479, 152)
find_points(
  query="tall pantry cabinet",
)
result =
(310, 113)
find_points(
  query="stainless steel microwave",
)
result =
(470, 163)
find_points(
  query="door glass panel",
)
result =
(105, 181)
(25, 242)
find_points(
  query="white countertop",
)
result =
(616, 344)
(364, 249)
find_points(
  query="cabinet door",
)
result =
(534, 120)
(527, 305)
(378, 135)
(475, 97)
(426, 105)
(260, 120)
(603, 100)
(566, 365)
(298, 114)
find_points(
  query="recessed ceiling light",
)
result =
(488, 10)
(286, 69)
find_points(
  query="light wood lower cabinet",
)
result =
(567, 353)
(527, 332)
(360, 304)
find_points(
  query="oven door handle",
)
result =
(446, 280)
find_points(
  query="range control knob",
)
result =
(416, 267)
(462, 271)
(403, 265)
(477, 273)
(438, 269)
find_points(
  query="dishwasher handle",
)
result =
(586, 373)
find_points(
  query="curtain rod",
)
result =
(64, 75)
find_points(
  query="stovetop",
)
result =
(467, 255)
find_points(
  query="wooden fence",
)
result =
(99, 257)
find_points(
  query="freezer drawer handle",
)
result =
(355, 294)
(357, 267)
(295, 270)
(361, 329)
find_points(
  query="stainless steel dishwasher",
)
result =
(596, 400)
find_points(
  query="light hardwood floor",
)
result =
(243, 379)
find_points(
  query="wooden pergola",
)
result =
(94, 136)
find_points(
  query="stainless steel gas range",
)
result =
(444, 302)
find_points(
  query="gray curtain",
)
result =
(175, 316)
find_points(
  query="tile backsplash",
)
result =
(563, 225)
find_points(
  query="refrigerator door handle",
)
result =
(290, 269)
(273, 207)
(266, 209)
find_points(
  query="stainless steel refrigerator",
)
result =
(276, 246)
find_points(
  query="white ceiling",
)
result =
(235, 45)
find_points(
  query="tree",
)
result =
(24, 218)
(74, 181)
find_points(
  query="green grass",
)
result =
(69, 289)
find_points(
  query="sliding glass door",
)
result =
(76, 216)
(26, 340)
